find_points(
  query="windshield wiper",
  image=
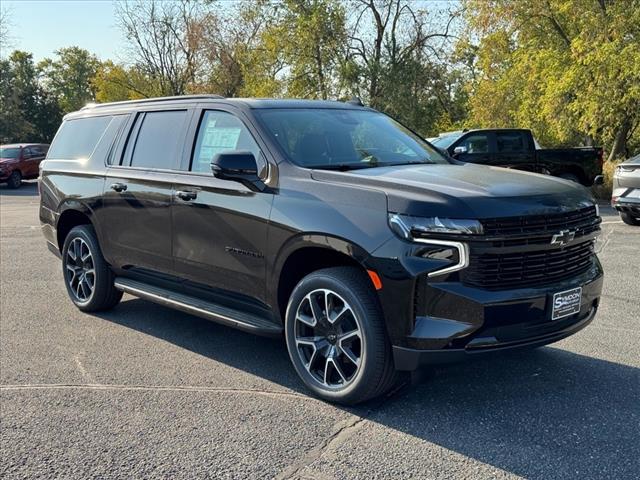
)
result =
(342, 167)
(413, 162)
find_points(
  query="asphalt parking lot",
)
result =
(144, 391)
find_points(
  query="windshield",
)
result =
(446, 141)
(9, 152)
(337, 139)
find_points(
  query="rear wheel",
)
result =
(629, 219)
(15, 179)
(87, 276)
(336, 336)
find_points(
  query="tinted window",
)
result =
(159, 140)
(341, 138)
(510, 142)
(9, 152)
(445, 141)
(220, 132)
(478, 143)
(77, 138)
(35, 151)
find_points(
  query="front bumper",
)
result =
(410, 359)
(464, 322)
(444, 319)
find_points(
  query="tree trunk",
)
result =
(619, 146)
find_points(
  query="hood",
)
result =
(465, 190)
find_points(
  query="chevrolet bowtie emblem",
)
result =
(563, 237)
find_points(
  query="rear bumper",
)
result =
(410, 359)
(629, 205)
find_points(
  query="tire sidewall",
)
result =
(366, 371)
(629, 219)
(85, 233)
(15, 179)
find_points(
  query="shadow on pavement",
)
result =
(546, 413)
(27, 189)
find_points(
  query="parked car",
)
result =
(516, 148)
(625, 196)
(20, 161)
(326, 222)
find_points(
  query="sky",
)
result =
(43, 26)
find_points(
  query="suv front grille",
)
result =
(582, 221)
(528, 269)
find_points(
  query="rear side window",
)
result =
(77, 138)
(159, 140)
(510, 142)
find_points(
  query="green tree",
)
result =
(29, 113)
(310, 37)
(568, 69)
(114, 82)
(397, 62)
(69, 77)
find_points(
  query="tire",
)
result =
(81, 254)
(629, 219)
(15, 179)
(339, 365)
(570, 176)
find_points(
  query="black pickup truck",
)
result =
(516, 148)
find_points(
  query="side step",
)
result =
(211, 311)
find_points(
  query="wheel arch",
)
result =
(572, 170)
(308, 253)
(72, 215)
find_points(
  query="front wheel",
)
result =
(336, 336)
(88, 278)
(629, 219)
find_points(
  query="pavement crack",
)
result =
(341, 431)
(83, 371)
(604, 240)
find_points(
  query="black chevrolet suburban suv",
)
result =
(328, 223)
(516, 148)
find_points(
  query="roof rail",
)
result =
(151, 100)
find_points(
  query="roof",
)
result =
(19, 145)
(253, 103)
(293, 103)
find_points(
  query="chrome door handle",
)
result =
(118, 187)
(186, 195)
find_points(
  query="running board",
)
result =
(211, 311)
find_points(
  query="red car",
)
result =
(20, 161)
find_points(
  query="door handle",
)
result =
(118, 187)
(187, 195)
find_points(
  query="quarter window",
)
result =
(222, 132)
(77, 138)
(159, 140)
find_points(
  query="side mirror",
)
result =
(459, 150)
(238, 166)
(599, 180)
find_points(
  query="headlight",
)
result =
(407, 226)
